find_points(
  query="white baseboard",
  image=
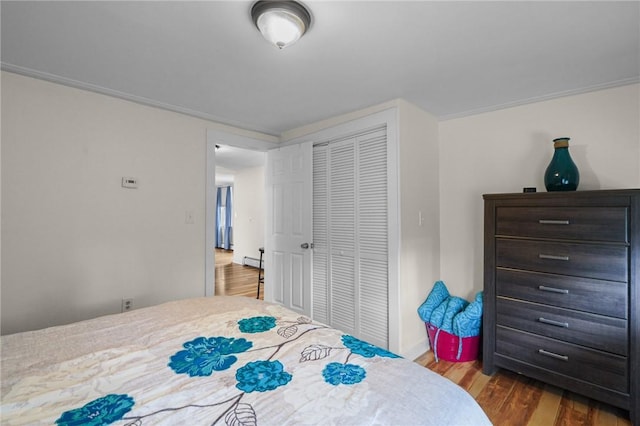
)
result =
(251, 261)
(416, 350)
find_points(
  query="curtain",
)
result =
(228, 239)
(218, 230)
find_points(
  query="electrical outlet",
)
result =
(127, 305)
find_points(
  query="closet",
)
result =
(350, 235)
(352, 229)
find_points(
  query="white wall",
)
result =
(420, 242)
(74, 243)
(506, 150)
(249, 213)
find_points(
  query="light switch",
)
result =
(189, 217)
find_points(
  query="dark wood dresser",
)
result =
(562, 291)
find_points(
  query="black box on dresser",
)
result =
(561, 291)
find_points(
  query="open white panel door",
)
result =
(289, 229)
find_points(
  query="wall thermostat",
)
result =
(129, 182)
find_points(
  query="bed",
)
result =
(217, 360)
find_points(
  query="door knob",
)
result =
(306, 245)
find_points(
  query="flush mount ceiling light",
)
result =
(282, 23)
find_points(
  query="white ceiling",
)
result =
(208, 60)
(230, 160)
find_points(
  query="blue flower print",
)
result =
(343, 374)
(365, 349)
(386, 353)
(261, 376)
(256, 324)
(101, 411)
(204, 355)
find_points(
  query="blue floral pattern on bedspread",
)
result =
(101, 411)
(262, 376)
(343, 374)
(365, 349)
(203, 356)
(256, 324)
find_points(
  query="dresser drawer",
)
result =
(572, 223)
(583, 294)
(599, 261)
(601, 368)
(594, 331)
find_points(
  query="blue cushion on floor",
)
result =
(468, 322)
(455, 305)
(438, 294)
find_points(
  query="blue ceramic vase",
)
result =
(562, 173)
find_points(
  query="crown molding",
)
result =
(551, 96)
(53, 78)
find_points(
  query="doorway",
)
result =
(237, 162)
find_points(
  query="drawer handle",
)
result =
(553, 257)
(553, 289)
(553, 222)
(552, 322)
(553, 355)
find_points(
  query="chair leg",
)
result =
(259, 281)
(260, 277)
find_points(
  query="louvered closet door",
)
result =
(350, 273)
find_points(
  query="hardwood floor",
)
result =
(508, 398)
(233, 279)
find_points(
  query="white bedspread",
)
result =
(219, 360)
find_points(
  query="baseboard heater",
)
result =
(252, 261)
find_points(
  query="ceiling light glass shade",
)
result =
(282, 23)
